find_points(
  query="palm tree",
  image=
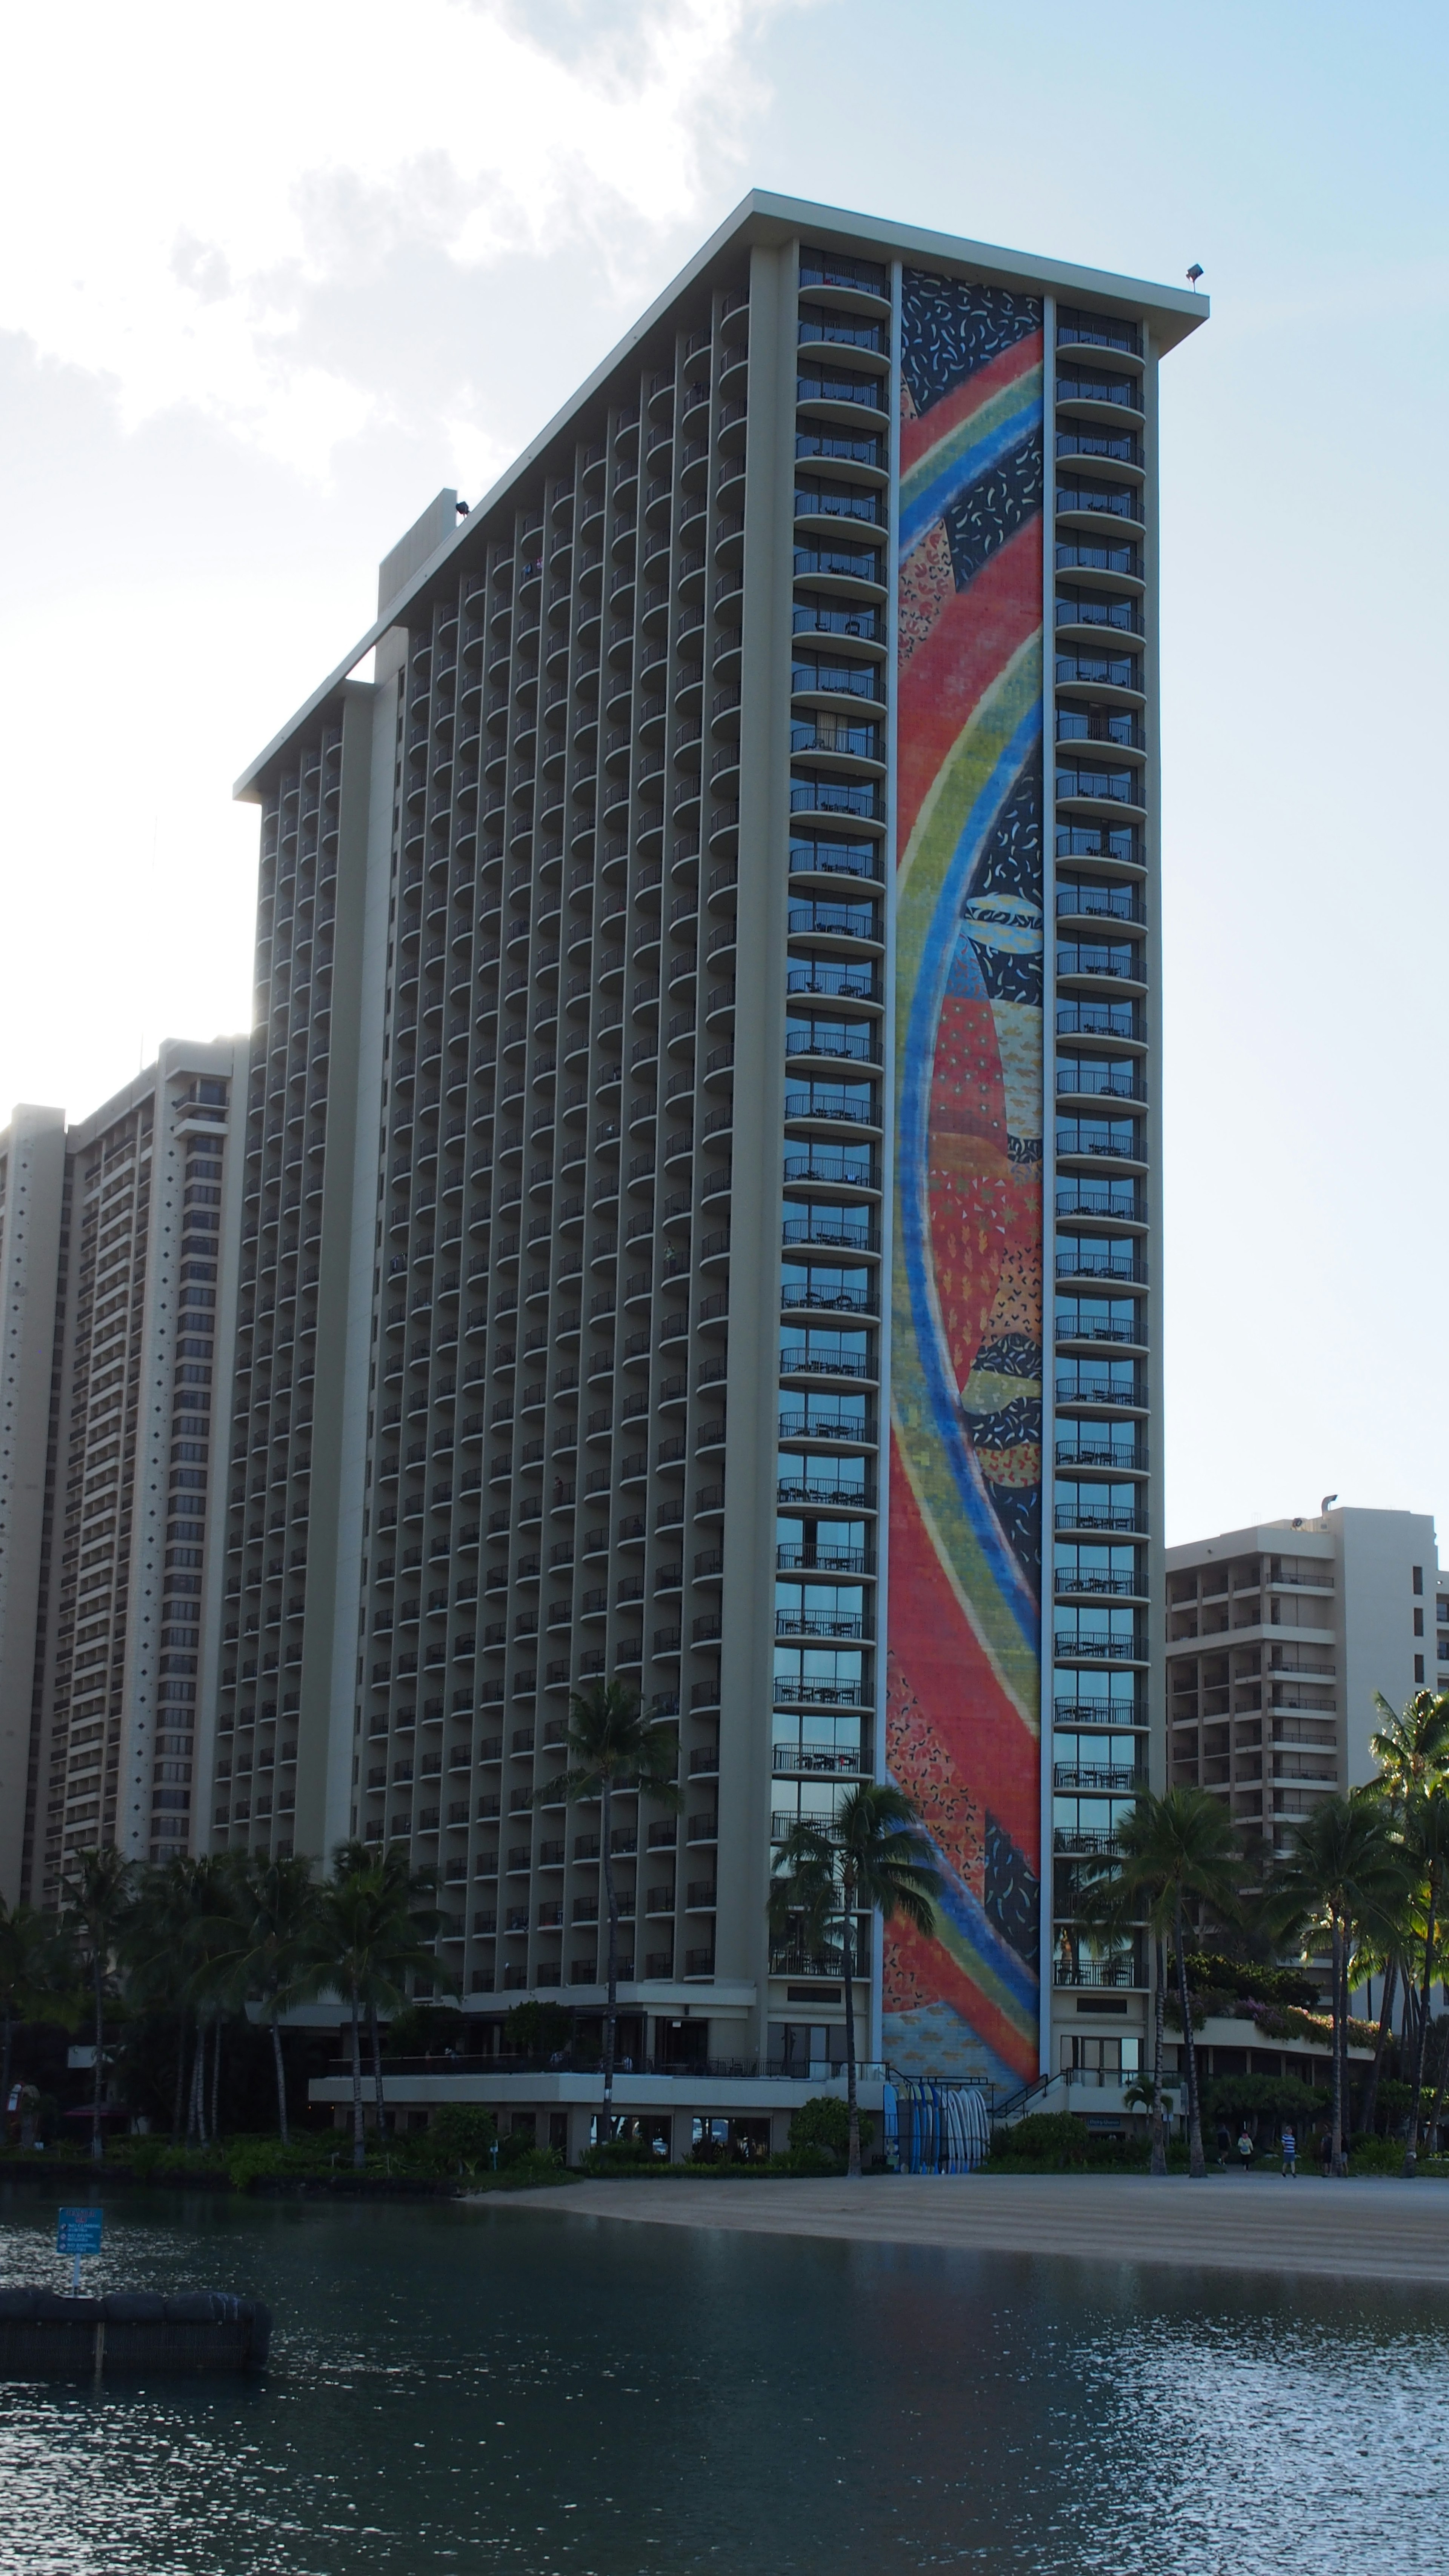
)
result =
(612, 1746)
(373, 1932)
(1343, 1874)
(1424, 1843)
(1173, 1852)
(97, 1898)
(158, 1953)
(275, 1957)
(35, 1971)
(871, 1854)
(1411, 1749)
(1105, 1903)
(406, 1888)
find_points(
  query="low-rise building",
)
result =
(1278, 1638)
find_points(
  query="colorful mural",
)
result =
(963, 1662)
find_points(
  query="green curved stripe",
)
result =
(959, 784)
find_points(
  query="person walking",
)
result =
(1290, 2153)
(1225, 2140)
(1245, 2148)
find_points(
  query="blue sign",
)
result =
(78, 2231)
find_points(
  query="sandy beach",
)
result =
(1360, 2231)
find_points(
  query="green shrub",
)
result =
(1043, 2137)
(1274, 2097)
(1254, 1982)
(537, 2030)
(824, 2121)
(462, 2136)
(536, 2164)
(620, 2155)
(1376, 2156)
(512, 2149)
(808, 2158)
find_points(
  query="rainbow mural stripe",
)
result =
(963, 1618)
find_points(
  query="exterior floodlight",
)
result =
(1193, 274)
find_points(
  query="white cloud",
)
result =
(189, 181)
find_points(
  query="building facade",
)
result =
(1278, 1638)
(118, 1255)
(700, 1200)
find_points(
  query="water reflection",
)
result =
(498, 2390)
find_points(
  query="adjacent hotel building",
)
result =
(1278, 1638)
(117, 1278)
(699, 1155)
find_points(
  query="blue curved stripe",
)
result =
(976, 1928)
(960, 471)
(914, 1132)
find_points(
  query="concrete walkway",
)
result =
(1353, 2231)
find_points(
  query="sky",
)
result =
(269, 280)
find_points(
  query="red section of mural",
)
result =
(976, 635)
(922, 431)
(948, 1719)
(923, 1973)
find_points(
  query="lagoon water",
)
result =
(486, 2389)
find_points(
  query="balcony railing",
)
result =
(1099, 1712)
(1087, 1452)
(1110, 1973)
(815, 1761)
(1085, 556)
(830, 1228)
(1122, 1587)
(1099, 1517)
(1102, 1081)
(804, 1425)
(789, 1961)
(849, 983)
(1116, 500)
(830, 1301)
(1117, 1777)
(841, 331)
(1110, 786)
(1093, 1260)
(1109, 902)
(1098, 331)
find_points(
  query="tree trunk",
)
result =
(1386, 2023)
(359, 2143)
(216, 2081)
(98, 1974)
(179, 2098)
(377, 2083)
(281, 2074)
(1196, 2163)
(5, 2080)
(1344, 1975)
(611, 2007)
(1411, 2150)
(1336, 2164)
(1436, 2111)
(1159, 2124)
(847, 1961)
(196, 2109)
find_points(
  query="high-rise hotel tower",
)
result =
(701, 1204)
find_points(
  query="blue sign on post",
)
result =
(78, 2232)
